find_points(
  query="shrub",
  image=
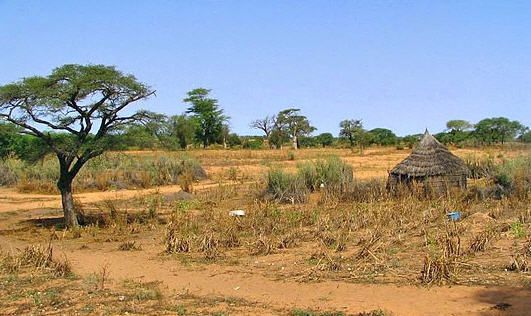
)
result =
(514, 176)
(7, 175)
(334, 176)
(291, 155)
(308, 172)
(286, 187)
(480, 168)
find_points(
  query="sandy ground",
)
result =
(236, 282)
(11, 200)
(253, 286)
(329, 295)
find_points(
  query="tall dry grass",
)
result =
(109, 171)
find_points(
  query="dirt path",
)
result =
(12, 200)
(234, 281)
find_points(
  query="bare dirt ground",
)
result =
(259, 284)
(256, 281)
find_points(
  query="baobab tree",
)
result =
(71, 111)
(293, 124)
(266, 125)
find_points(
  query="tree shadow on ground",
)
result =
(45, 222)
(99, 219)
(505, 301)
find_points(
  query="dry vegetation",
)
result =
(111, 171)
(308, 216)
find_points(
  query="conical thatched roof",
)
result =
(430, 158)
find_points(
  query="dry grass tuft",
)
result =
(288, 240)
(175, 241)
(519, 263)
(438, 271)
(370, 245)
(129, 246)
(264, 245)
(210, 246)
(10, 263)
(481, 241)
(41, 257)
(327, 261)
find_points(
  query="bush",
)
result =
(480, 168)
(334, 176)
(514, 176)
(252, 143)
(286, 187)
(7, 175)
(308, 172)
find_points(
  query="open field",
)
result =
(151, 249)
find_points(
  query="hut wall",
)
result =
(435, 184)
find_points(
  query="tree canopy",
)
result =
(497, 129)
(266, 125)
(83, 103)
(458, 125)
(383, 136)
(293, 124)
(325, 139)
(208, 115)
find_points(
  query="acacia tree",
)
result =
(348, 130)
(172, 132)
(71, 111)
(382, 136)
(294, 125)
(325, 139)
(354, 132)
(208, 115)
(458, 125)
(458, 131)
(497, 129)
(183, 129)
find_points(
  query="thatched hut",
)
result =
(432, 165)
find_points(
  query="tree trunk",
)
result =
(295, 142)
(65, 187)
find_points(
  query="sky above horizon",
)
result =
(402, 65)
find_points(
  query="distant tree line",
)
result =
(204, 124)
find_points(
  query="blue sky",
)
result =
(403, 65)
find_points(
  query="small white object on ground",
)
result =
(237, 213)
